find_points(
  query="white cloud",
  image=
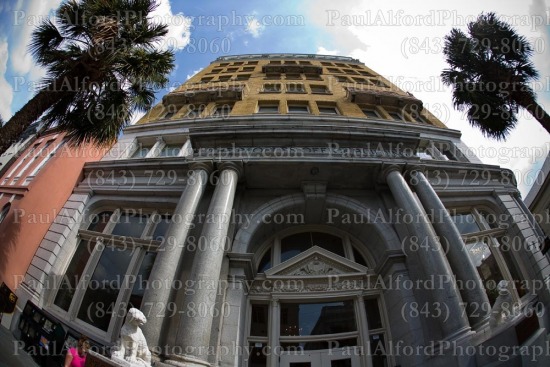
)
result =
(179, 26)
(6, 89)
(403, 41)
(323, 51)
(254, 27)
(189, 76)
(25, 19)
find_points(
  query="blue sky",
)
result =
(399, 39)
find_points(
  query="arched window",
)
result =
(285, 247)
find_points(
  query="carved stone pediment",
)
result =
(316, 261)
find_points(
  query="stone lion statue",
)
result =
(132, 344)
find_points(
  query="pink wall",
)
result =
(37, 200)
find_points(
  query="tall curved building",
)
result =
(298, 210)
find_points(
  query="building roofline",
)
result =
(288, 56)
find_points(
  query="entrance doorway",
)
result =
(342, 357)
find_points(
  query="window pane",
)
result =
(297, 109)
(223, 110)
(373, 314)
(377, 348)
(395, 116)
(141, 152)
(98, 222)
(294, 245)
(141, 280)
(513, 268)
(265, 263)
(130, 225)
(100, 297)
(258, 324)
(257, 357)
(170, 150)
(68, 285)
(328, 110)
(359, 259)
(465, 223)
(346, 362)
(316, 345)
(268, 109)
(300, 242)
(371, 113)
(164, 222)
(486, 265)
(302, 319)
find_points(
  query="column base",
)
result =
(183, 361)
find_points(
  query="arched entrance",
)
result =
(313, 300)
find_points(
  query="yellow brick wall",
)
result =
(253, 90)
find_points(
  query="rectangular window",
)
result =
(313, 77)
(224, 78)
(334, 70)
(248, 68)
(295, 88)
(370, 112)
(298, 108)
(272, 76)
(289, 76)
(328, 110)
(99, 301)
(301, 319)
(47, 158)
(271, 88)
(259, 319)
(207, 79)
(231, 70)
(396, 116)
(101, 282)
(223, 110)
(342, 79)
(318, 89)
(213, 71)
(242, 77)
(268, 108)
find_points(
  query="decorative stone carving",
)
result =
(502, 309)
(315, 267)
(132, 346)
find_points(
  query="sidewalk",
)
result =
(11, 354)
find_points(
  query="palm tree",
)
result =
(490, 72)
(102, 64)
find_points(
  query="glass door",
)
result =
(322, 358)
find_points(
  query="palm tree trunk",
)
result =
(30, 112)
(536, 111)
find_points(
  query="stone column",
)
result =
(155, 299)
(452, 319)
(477, 304)
(193, 335)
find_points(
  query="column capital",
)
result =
(236, 166)
(411, 169)
(205, 166)
(386, 170)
